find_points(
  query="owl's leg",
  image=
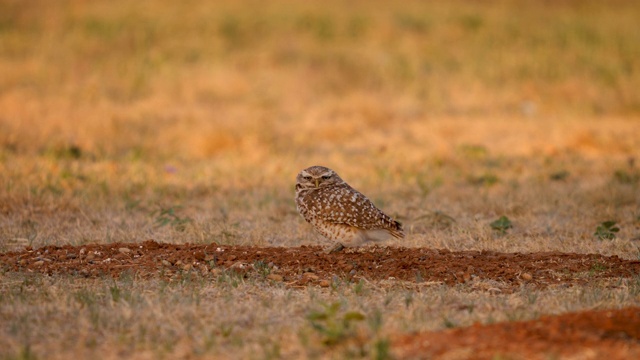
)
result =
(337, 247)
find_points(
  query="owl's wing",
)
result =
(345, 205)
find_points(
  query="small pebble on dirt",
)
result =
(526, 276)
(166, 263)
(324, 283)
(238, 265)
(124, 250)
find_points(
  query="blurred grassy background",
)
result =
(112, 113)
(148, 68)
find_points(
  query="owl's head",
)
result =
(317, 177)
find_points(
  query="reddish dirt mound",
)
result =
(309, 265)
(610, 334)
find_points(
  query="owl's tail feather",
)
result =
(396, 230)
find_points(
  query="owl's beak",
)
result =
(317, 183)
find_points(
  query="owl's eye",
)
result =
(308, 178)
(326, 177)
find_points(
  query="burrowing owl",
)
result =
(339, 212)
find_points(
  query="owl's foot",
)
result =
(337, 247)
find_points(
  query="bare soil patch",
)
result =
(614, 334)
(309, 265)
(591, 334)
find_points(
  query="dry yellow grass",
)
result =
(64, 317)
(112, 111)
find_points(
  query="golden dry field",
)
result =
(187, 122)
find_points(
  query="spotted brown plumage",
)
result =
(339, 212)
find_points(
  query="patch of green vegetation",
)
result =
(25, 353)
(412, 22)
(338, 330)
(487, 179)
(501, 225)
(358, 26)
(168, 216)
(262, 268)
(471, 151)
(471, 22)
(627, 177)
(381, 348)
(606, 230)
(448, 323)
(559, 175)
(428, 185)
(230, 277)
(71, 151)
(321, 26)
(333, 325)
(358, 288)
(408, 299)
(597, 267)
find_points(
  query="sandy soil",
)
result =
(592, 334)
